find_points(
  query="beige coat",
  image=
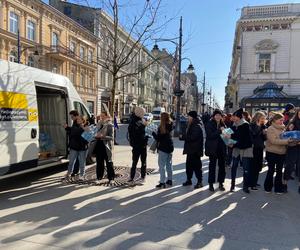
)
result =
(274, 144)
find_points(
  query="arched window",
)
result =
(13, 56)
(30, 61)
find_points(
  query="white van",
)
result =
(34, 104)
(157, 112)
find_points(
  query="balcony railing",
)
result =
(60, 50)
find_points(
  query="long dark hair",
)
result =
(164, 121)
(295, 119)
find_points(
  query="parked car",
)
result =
(148, 117)
(157, 112)
(125, 118)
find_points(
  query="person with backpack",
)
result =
(103, 148)
(77, 145)
(165, 149)
(215, 149)
(138, 141)
(193, 148)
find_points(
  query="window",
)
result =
(30, 30)
(81, 53)
(81, 110)
(90, 106)
(54, 41)
(90, 56)
(73, 47)
(264, 63)
(67, 10)
(13, 56)
(54, 69)
(91, 82)
(13, 22)
(82, 79)
(103, 78)
(30, 61)
(73, 74)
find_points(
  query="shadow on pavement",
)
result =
(77, 217)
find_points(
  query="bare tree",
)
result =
(124, 42)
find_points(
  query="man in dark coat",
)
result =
(193, 148)
(138, 141)
(215, 149)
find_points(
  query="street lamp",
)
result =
(19, 52)
(177, 92)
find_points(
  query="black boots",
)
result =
(187, 183)
(169, 182)
(221, 187)
(232, 186)
(211, 187)
(198, 185)
(161, 185)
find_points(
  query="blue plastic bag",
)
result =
(295, 135)
(90, 134)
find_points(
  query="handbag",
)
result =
(153, 146)
(91, 148)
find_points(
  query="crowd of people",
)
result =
(246, 145)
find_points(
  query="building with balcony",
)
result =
(149, 88)
(51, 41)
(266, 49)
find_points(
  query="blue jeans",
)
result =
(165, 162)
(81, 155)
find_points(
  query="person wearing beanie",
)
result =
(138, 141)
(243, 149)
(215, 149)
(193, 148)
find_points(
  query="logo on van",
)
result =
(14, 107)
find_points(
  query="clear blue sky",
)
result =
(209, 26)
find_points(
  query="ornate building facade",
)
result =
(38, 35)
(149, 88)
(265, 50)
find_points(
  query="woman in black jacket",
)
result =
(243, 149)
(78, 147)
(292, 161)
(193, 148)
(165, 149)
(258, 132)
(215, 149)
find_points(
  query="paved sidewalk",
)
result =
(39, 212)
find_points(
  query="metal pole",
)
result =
(123, 111)
(203, 95)
(177, 128)
(210, 94)
(19, 46)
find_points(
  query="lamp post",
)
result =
(19, 51)
(177, 92)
